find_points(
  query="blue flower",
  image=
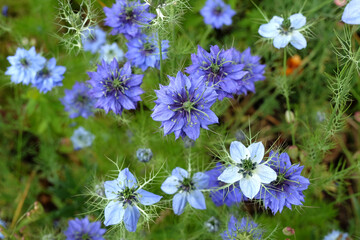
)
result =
(218, 69)
(212, 225)
(2, 225)
(109, 52)
(187, 189)
(288, 187)
(245, 229)
(50, 76)
(228, 196)
(127, 17)
(93, 39)
(351, 13)
(5, 10)
(216, 13)
(124, 197)
(84, 229)
(246, 168)
(144, 154)
(78, 102)
(114, 87)
(24, 65)
(184, 106)
(143, 52)
(277, 30)
(336, 235)
(82, 138)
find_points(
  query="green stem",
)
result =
(161, 58)
(20, 128)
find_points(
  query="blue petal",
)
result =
(126, 179)
(276, 19)
(298, 40)
(196, 199)
(269, 30)
(351, 13)
(180, 173)
(131, 218)
(114, 213)
(170, 185)
(179, 202)
(297, 20)
(201, 180)
(147, 198)
(111, 189)
(281, 41)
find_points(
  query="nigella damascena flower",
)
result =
(127, 17)
(228, 196)
(216, 13)
(125, 198)
(24, 65)
(82, 138)
(244, 229)
(110, 51)
(84, 229)
(246, 168)
(283, 34)
(93, 38)
(217, 69)
(115, 88)
(337, 235)
(187, 189)
(77, 101)
(184, 106)
(144, 154)
(50, 76)
(287, 189)
(143, 51)
(351, 13)
(212, 225)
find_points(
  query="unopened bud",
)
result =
(289, 116)
(340, 3)
(144, 154)
(288, 231)
(293, 152)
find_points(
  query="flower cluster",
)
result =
(243, 229)
(216, 13)
(82, 138)
(84, 229)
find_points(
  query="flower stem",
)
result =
(20, 128)
(161, 58)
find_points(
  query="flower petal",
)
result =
(126, 179)
(276, 19)
(269, 30)
(297, 20)
(257, 152)
(238, 152)
(111, 189)
(201, 180)
(230, 175)
(180, 173)
(281, 41)
(114, 213)
(266, 174)
(298, 40)
(170, 185)
(351, 13)
(250, 186)
(196, 199)
(131, 218)
(147, 198)
(179, 202)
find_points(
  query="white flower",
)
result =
(351, 13)
(247, 168)
(282, 36)
(109, 52)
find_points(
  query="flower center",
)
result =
(129, 13)
(215, 68)
(188, 105)
(218, 10)
(127, 196)
(45, 73)
(81, 99)
(187, 185)
(286, 28)
(83, 236)
(280, 179)
(243, 236)
(148, 48)
(24, 62)
(247, 167)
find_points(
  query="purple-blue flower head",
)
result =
(50, 76)
(115, 88)
(93, 39)
(244, 229)
(143, 51)
(5, 10)
(125, 198)
(78, 102)
(127, 17)
(287, 189)
(183, 106)
(24, 65)
(187, 189)
(217, 69)
(82, 138)
(351, 13)
(228, 196)
(216, 13)
(84, 229)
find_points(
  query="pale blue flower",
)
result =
(50, 76)
(82, 138)
(282, 35)
(93, 38)
(351, 13)
(110, 51)
(2, 224)
(336, 235)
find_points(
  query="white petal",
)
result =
(276, 19)
(180, 173)
(281, 41)
(269, 30)
(297, 20)
(266, 174)
(238, 152)
(351, 13)
(298, 40)
(257, 151)
(230, 175)
(250, 186)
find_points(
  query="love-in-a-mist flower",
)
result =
(216, 13)
(287, 189)
(186, 189)
(243, 229)
(115, 88)
(337, 235)
(218, 69)
(82, 138)
(127, 17)
(110, 51)
(24, 65)
(351, 13)
(93, 38)
(246, 168)
(84, 229)
(125, 199)
(50, 76)
(183, 106)
(144, 154)
(212, 225)
(282, 33)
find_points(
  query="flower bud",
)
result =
(288, 231)
(289, 116)
(144, 154)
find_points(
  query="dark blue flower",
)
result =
(24, 65)
(216, 13)
(245, 229)
(287, 189)
(127, 17)
(184, 106)
(228, 196)
(218, 69)
(143, 52)
(78, 102)
(50, 76)
(84, 229)
(93, 39)
(115, 87)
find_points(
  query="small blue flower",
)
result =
(144, 154)
(93, 39)
(50, 76)
(187, 189)
(143, 51)
(84, 229)
(351, 13)
(2, 225)
(24, 65)
(277, 30)
(216, 13)
(78, 102)
(245, 229)
(336, 235)
(82, 138)
(125, 197)
(4, 10)
(109, 52)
